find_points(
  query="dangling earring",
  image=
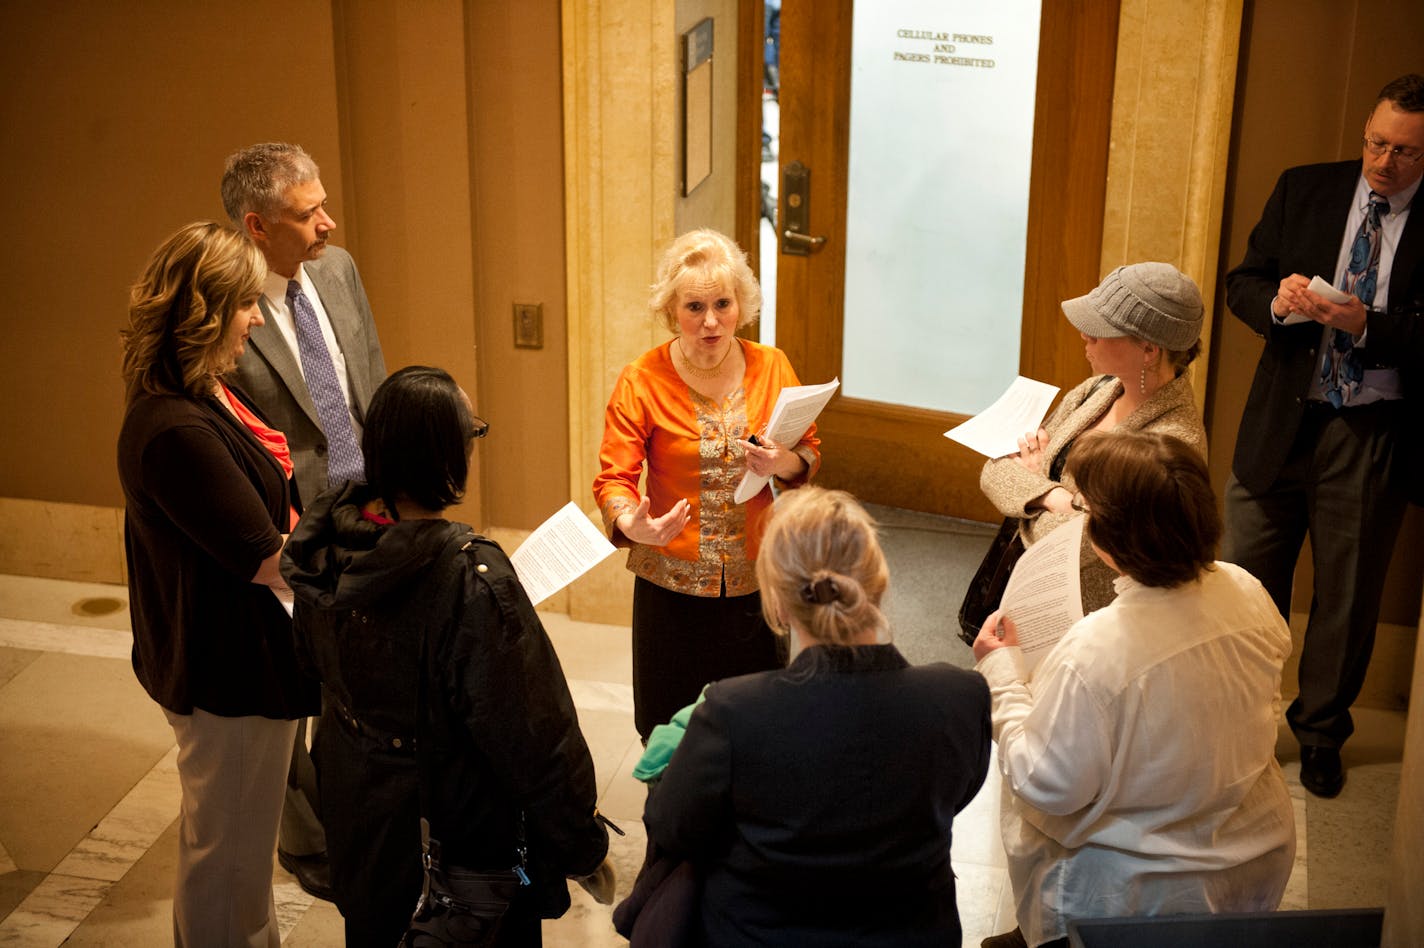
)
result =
(1142, 380)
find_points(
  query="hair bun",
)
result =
(821, 591)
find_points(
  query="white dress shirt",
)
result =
(276, 294)
(1139, 765)
(1375, 384)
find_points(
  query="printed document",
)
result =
(796, 407)
(286, 597)
(1043, 597)
(995, 431)
(1319, 287)
(559, 551)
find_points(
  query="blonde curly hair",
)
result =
(706, 256)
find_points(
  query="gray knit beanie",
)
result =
(1152, 301)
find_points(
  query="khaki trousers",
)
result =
(234, 773)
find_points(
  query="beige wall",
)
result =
(713, 203)
(401, 82)
(438, 129)
(115, 134)
(1308, 74)
(516, 134)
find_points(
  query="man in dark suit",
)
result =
(1326, 443)
(311, 368)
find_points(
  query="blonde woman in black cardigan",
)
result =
(818, 799)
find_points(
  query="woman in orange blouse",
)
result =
(686, 411)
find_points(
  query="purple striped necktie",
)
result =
(343, 457)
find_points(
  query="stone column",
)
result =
(1171, 131)
(620, 69)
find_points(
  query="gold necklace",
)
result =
(698, 371)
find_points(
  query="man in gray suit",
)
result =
(273, 194)
(311, 368)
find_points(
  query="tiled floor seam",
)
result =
(67, 895)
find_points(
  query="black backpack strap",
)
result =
(431, 623)
(462, 540)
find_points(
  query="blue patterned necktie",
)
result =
(1340, 370)
(343, 455)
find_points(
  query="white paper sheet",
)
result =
(559, 551)
(796, 407)
(995, 431)
(1044, 595)
(1319, 287)
(286, 597)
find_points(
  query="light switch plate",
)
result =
(529, 325)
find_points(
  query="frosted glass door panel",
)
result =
(941, 141)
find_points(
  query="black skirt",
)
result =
(682, 643)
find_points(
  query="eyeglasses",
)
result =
(479, 428)
(1405, 156)
(1078, 503)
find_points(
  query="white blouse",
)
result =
(1139, 764)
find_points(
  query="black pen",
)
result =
(607, 822)
(753, 439)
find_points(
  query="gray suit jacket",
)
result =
(268, 371)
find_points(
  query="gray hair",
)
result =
(257, 179)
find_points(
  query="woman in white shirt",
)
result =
(1138, 757)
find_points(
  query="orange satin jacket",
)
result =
(687, 443)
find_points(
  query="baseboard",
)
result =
(86, 544)
(61, 541)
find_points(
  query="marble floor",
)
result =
(89, 791)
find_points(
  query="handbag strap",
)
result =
(461, 539)
(429, 624)
(1055, 467)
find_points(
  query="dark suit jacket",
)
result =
(1300, 232)
(269, 370)
(819, 799)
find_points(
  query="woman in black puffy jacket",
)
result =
(382, 579)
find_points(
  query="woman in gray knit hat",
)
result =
(1141, 328)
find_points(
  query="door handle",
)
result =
(802, 243)
(796, 186)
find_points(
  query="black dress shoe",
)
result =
(313, 873)
(1320, 771)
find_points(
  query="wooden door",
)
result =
(896, 454)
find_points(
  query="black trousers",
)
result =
(681, 643)
(1343, 485)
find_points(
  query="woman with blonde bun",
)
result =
(813, 814)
